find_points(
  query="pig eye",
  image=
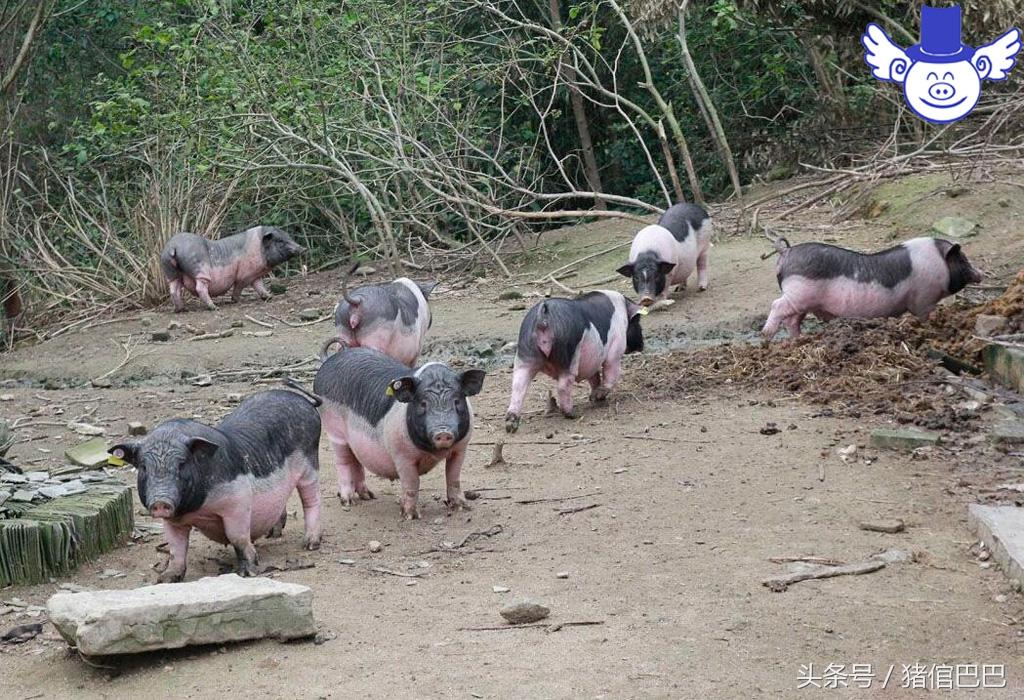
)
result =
(947, 76)
(933, 76)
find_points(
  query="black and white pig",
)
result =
(572, 340)
(231, 482)
(666, 254)
(392, 318)
(396, 422)
(833, 282)
(209, 268)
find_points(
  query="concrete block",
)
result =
(905, 440)
(211, 610)
(1001, 528)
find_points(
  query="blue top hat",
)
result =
(940, 37)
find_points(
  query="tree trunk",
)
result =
(707, 107)
(579, 113)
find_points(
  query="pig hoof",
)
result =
(348, 499)
(248, 569)
(170, 577)
(457, 504)
(511, 422)
(311, 544)
(702, 288)
(571, 414)
(599, 394)
(366, 494)
(411, 513)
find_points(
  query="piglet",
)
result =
(231, 482)
(666, 254)
(209, 268)
(572, 340)
(833, 282)
(396, 422)
(392, 318)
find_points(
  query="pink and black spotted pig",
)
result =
(572, 340)
(209, 268)
(392, 318)
(832, 282)
(666, 254)
(231, 482)
(396, 422)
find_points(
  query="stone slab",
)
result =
(212, 610)
(1001, 528)
(906, 440)
(1005, 366)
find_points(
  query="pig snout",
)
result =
(975, 276)
(646, 300)
(443, 439)
(161, 509)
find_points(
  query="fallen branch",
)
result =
(822, 561)
(389, 572)
(555, 500)
(781, 583)
(577, 509)
(302, 323)
(259, 322)
(213, 336)
(489, 532)
(551, 627)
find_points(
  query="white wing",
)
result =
(995, 60)
(887, 60)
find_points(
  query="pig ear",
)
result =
(953, 251)
(632, 308)
(626, 270)
(202, 448)
(403, 389)
(665, 267)
(128, 451)
(426, 288)
(472, 381)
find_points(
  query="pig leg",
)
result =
(278, 529)
(177, 543)
(610, 372)
(262, 291)
(565, 382)
(409, 480)
(309, 494)
(781, 311)
(351, 476)
(522, 375)
(597, 392)
(702, 271)
(177, 287)
(236, 293)
(238, 531)
(203, 292)
(452, 470)
(793, 325)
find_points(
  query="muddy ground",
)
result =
(691, 498)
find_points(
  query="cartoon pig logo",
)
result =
(941, 75)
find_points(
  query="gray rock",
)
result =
(375, 546)
(75, 486)
(1001, 528)
(525, 611)
(955, 227)
(1009, 434)
(987, 325)
(160, 336)
(14, 478)
(101, 383)
(905, 440)
(366, 271)
(23, 496)
(137, 428)
(37, 477)
(890, 526)
(309, 314)
(211, 610)
(54, 491)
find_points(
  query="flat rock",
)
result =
(23, 496)
(955, 227)
(988, 324)
(891, 525)
(55, 491)
(211, 610)
(906, 440)
(1001, 528)
(524, 611)
(1005, 365)
(1011, 433)
(89, 453)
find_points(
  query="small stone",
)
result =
(620, 470)
(168, 616)
(160, 336)
(1001, 598)
(238, 323)
(203, 380)
(309, 314)
(6, 397)
(101, 383)
(347, 562)
(257, 334)
(987, 325)
(1007, 434)
(847, 454)
(146, 321)
(524, 612)
(500, 589)
(173, 326)
(955, 227)
(233, 398)
(562, 574)
(510, 294)
(366, 271)
(437, 521)
(86, 429)
(891, 526)
(375, 546)
(137, 428)
(905, 440)
(984, 555)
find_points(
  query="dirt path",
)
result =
(691, 500)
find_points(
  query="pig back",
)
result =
(358, 378)
(270, 426)
(568, 320)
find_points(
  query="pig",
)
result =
(232, 481)
(209, 268)
(830, 282)
(392, 318)
(395, 421)
(572, 340)
(665, 254)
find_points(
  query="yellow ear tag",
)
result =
(390, 390)
(644, 310)
(116, 461)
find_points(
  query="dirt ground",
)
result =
(691, 496)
